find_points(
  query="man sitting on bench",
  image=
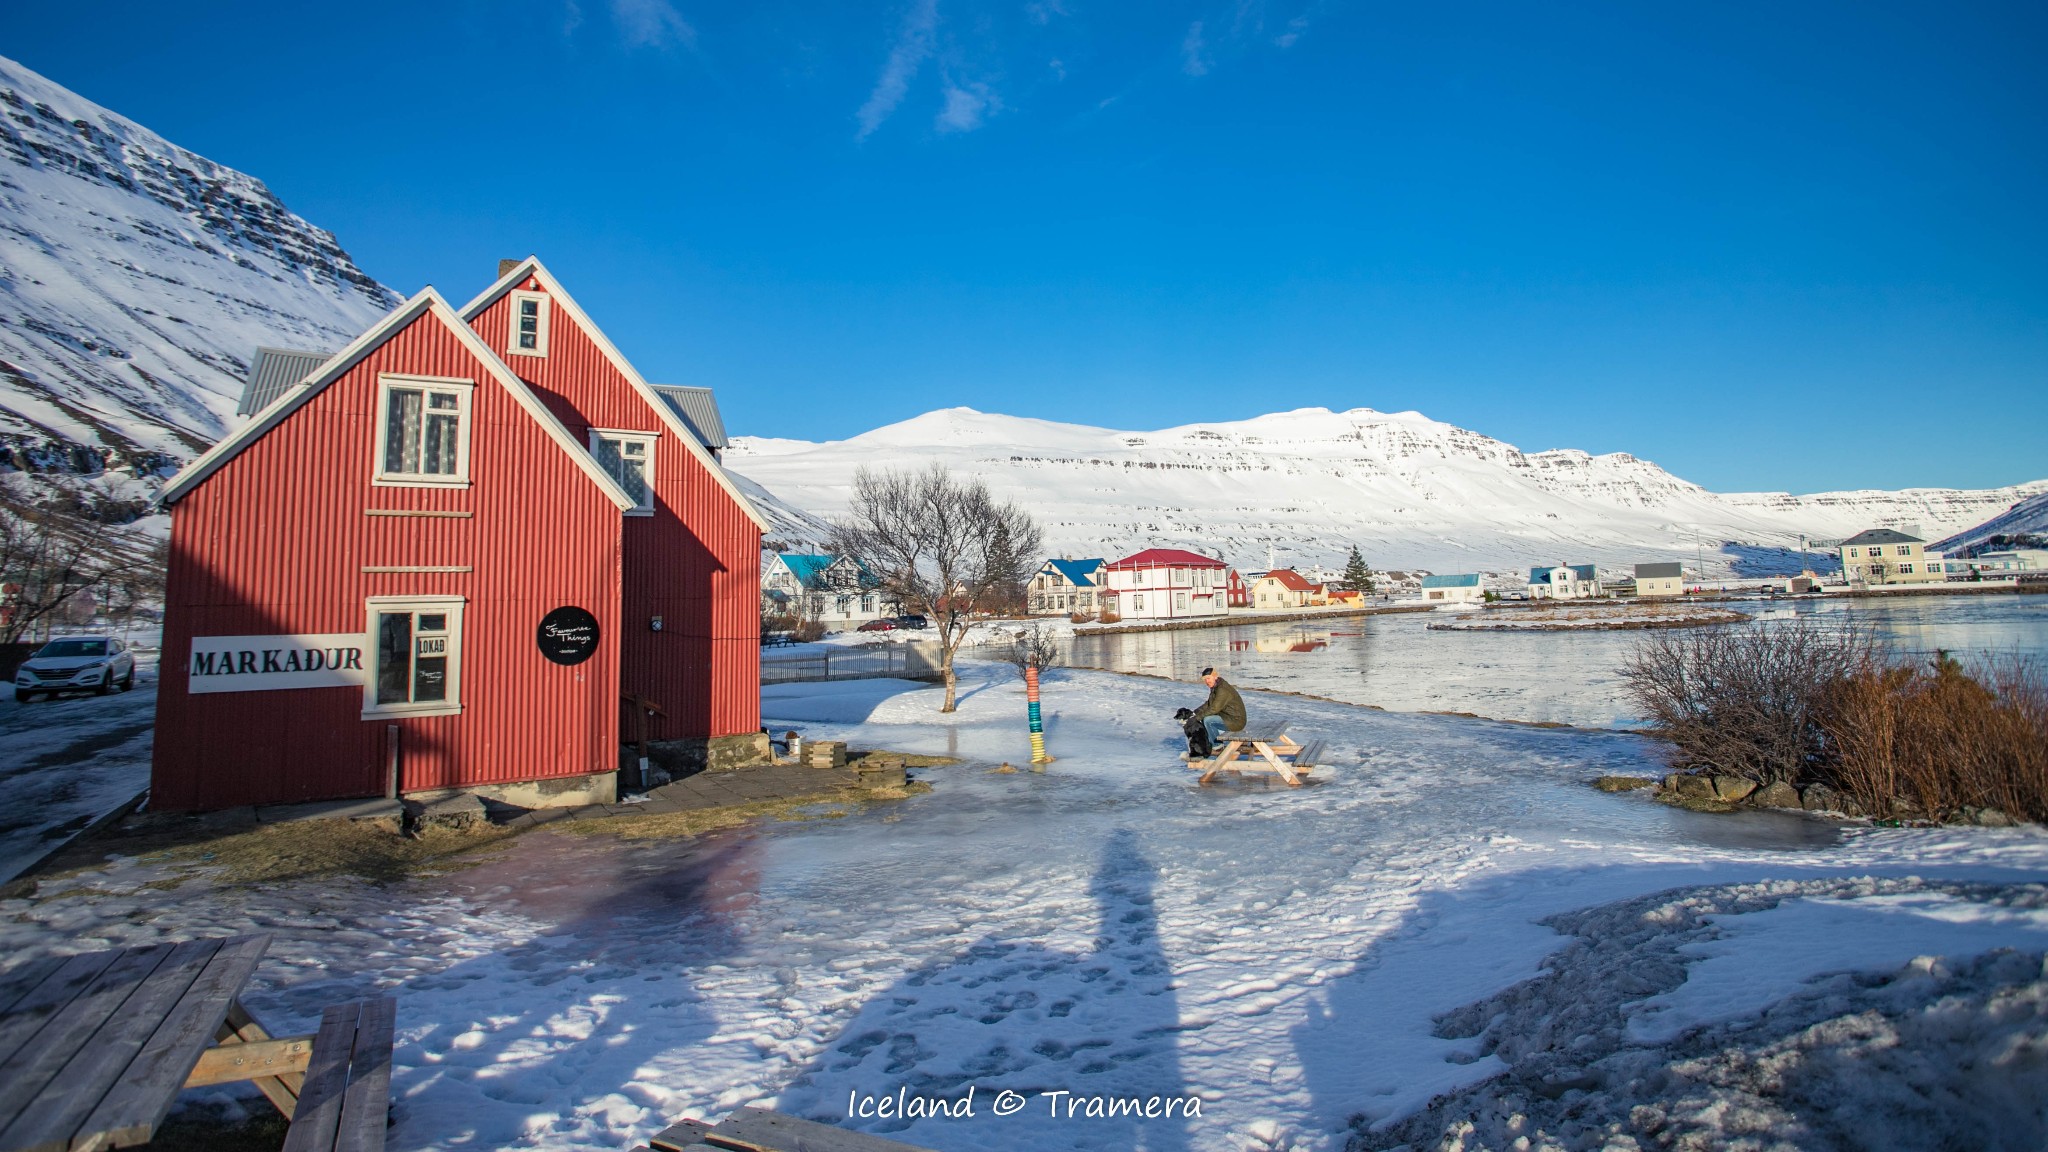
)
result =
(1223, 711)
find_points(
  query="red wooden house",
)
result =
(450, 552)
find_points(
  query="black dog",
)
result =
(1199, 747)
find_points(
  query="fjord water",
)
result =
(1396, 662)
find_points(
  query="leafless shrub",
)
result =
(1107, 617)
(60, 548)
(1934, 739)
(1035, 646)
(1744, 700)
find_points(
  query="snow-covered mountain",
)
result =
(1408, 490)
(136, 278)
(2029, 517)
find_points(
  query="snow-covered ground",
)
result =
(1103, 928)
(66, 761)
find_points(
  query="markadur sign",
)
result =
(268, 663)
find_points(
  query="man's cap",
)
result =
(1208, 671)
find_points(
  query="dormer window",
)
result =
(628, 457)
(423, 431)
(529, 324)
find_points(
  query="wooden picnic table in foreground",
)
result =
(95, 1048)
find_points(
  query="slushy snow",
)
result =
(1105, 929)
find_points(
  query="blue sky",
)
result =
(1770, 246)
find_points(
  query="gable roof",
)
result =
(426, 302)
(1166, 558)
(273, 371)
(1659, 571)
(1290, 579)
(1881, 536)
(1578, 571)
(699, 409)
(810, 567)
(1080, 573)
(1455, 580)
(531, 266)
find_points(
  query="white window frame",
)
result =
(512, 325)
(465, 391)
(376, 606)
(649, 439)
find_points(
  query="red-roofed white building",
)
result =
(1286, 588)
(1165, 584)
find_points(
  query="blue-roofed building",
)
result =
(1064, 587)
(1458, 588)
(839, 592)
(1564, 582)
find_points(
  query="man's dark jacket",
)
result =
(1225, 702)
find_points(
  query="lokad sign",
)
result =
(269, 663)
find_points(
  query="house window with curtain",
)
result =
(423, 431)
(628, 457)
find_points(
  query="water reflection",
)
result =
(1395, 662)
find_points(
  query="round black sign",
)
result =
(567, 635)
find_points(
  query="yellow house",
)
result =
(1286, 588)
(1659, 580)
(1882, 556)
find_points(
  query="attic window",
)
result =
(529, 324)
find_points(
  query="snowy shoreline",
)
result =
(1292, 957)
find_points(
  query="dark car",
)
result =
(75, 664)
(884, 625)
(912, 622)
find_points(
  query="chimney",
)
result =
(505, 266)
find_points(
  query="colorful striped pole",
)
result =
(1038, 755)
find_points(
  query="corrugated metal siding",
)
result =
(273, 371)
(696, 562)
(275, 543)
(699, 409)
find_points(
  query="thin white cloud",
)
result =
(913, 45)
(1193, 52)
(572, 17)
(1295, 28)
(1042, 11)
(965, 107)
(652, 24)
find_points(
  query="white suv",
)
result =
(74, 664)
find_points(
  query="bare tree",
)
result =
(56, 546)
(945, 547)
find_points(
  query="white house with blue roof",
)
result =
(1564, 582)
(1063, 587)
(1456, 588)
(837, 591)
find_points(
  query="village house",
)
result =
(1654, 580)
(1239, 591)
(1453, 588)
(839, 592)
(1886, 556)
(1284, 588)
(1165, 583)
(513, 553)
(1338, 596)
(1063, 587)
(1564, 582)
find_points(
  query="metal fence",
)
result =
(918, 660)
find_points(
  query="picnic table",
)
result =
(95, 1048)
(1272, 750)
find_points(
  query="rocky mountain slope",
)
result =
(1408, 490)
(2029, 517)
(136, 278)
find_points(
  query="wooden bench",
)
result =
(1271, 749)
(345, 1094)
(759, 1130)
